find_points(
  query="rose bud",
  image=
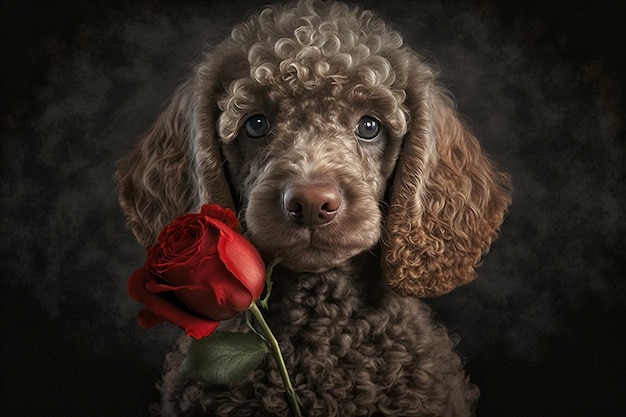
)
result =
(200, 271)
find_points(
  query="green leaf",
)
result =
(224, 357)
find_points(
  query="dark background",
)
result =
(542, 84)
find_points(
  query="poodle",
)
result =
(344, 157)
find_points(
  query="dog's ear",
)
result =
(447, 199)
(176, 166)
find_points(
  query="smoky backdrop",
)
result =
(541, 84)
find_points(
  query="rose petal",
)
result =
(224, 215)
(227, 291)
(193, 326)
(176, 269)
(216, 299)
(242, 259)
(181, 243)
(186, 275)
(202, 302)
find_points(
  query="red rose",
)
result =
(211, 271)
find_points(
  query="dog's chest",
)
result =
(338, 325)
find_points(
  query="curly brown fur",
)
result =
(352, 349)
(418, 203)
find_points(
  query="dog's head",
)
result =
(327, 135)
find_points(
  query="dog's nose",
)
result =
(312, 204)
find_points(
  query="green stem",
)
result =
(282, 368)
(268, 282)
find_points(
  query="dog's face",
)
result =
(311, 133)
(309, 161)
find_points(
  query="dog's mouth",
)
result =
(311, 259)
(314, 249)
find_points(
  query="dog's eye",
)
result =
(257, 126)
(367, 129)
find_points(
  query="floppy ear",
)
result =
(176, 166)
(446, 203)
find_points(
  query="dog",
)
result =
(343, 156)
